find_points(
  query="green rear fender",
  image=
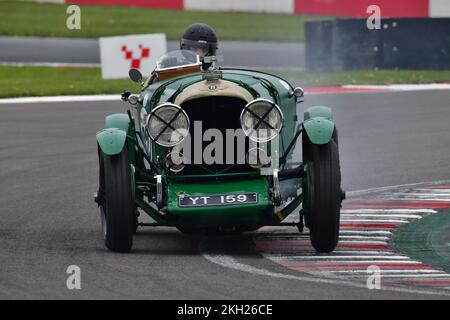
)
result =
(318, 124)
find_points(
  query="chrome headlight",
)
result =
(261, 120)
(168, 125)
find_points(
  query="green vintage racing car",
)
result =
(210, 150)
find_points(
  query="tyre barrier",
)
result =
(404, 43)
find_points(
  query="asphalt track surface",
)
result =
(234, 53)
(48, 170)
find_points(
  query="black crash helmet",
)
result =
(200, 38)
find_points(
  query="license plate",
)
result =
(217, 200)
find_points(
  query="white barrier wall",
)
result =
(120, 54)
(273, 6)
(436, 8)
(439, 8)
(49, 1)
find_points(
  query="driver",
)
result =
(199, 38)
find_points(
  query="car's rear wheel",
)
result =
(116, 207)
(322, 190)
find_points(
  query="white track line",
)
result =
(105, 97)
(344, 240)
(408, 276)
(366, 232)
(51, 64)
(387, 88)
(374, 221)
(381, 189)
(331, 258)
(415, 198)
(337, 253)
(365, 252)
(387, 211)
(383, 215)
(430, 194)
(361, 262)
(422, 195)
(362, 242)
(393, 271)
(229, 262)
(306, 238)
(439, 191)
(402, 87)
(399, 276)
(364, 237)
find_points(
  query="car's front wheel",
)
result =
(116, 207)
(323, 196)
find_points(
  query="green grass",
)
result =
(47, 81)
(49, 20)
(426, 240)
(43, 81)
(366, 77)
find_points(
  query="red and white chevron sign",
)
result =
(119, 54)
(136, 57)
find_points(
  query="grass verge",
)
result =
(47, 81)
(426, 240)
(365, 77)
(20, 18)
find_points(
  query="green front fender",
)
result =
(111, 140)
(118, 120)
(318, 124)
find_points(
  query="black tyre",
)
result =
(117, 208)
(322, 188)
